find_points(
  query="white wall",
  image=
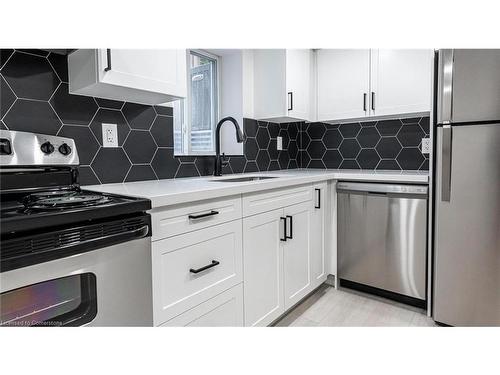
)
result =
(235, 86)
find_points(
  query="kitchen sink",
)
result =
(245, 179)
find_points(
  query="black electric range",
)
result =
(28, 211)
(45, 214)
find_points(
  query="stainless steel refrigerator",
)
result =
(467, 194)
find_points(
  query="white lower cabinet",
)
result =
(189, 269)
(263, 267)
(248, 271)
(278, 258)
(223, 310)
(318, 234)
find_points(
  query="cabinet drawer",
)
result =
(191, 268)
(255, 203)
(223, 310)
(185, 218)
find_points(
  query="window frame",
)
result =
(186, 105)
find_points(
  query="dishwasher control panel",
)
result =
(383, 188)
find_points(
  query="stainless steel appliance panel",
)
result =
(468, 85)
(467, 228)
(123, 281)
(382, 237)
(25, 149)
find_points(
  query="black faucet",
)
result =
(220, 161)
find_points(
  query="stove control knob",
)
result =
(64, 149)
(47, 148)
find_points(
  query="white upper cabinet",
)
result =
(299, 64)
(343, 85)
(136, 75)
(400, 81)
(363, 83)
(283, 85)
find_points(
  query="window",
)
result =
(196, 116)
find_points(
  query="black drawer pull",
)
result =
(373, 101)
(213, 264)
(108, 57)
(290, 101)
(284, 229)
(291, 227)
(201, 216)
(319, 199)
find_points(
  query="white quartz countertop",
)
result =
(182, 190)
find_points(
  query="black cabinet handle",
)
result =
(364, 101)
(201, 216)
(108, 54)
(291, 227)
(213, 264)
(373, 101)
(319, 198)
(290, 101)
(284, 228)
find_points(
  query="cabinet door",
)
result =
(343, 80)
(154, 70)
(269, 84)
(262, 268)
(138, 75)
(297, 253)
(318, 261)
(400, 81)
(298, 83)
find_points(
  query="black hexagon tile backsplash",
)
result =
(30, 76)
(139, 116)
(392, 144)
(35, 97)
(73, 109)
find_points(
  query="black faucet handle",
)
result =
(225, 160)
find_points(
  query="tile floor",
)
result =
(328, 307)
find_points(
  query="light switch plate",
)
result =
(109, 135)
(426, 145)
(279, 143)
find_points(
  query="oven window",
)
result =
(67, 301)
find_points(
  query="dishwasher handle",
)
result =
(381, 189)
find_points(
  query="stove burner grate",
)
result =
(57, 200)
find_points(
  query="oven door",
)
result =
(110, 286)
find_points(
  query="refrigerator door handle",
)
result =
(445, 87)
(446, 163)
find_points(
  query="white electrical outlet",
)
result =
(109, 135)
(426, 145)
(279, 143)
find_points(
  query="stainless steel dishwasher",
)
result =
(382, 237)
